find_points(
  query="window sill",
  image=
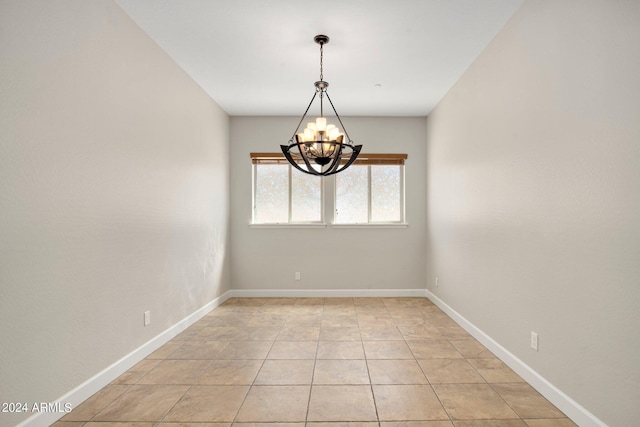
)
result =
(291, 225)
(324, 225)
(373, 225)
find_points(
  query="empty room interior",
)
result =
(162, 262)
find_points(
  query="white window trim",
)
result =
(322, 223)
(373, 225)
(402, 223)
(290, 224)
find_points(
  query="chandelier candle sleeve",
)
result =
(320, 149)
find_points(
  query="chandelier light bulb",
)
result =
(321, 124)
(328, 130)
(309, 135)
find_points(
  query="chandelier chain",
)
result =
(321, 56)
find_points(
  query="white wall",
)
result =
(534, 198)
(328, 258)
(113, 194)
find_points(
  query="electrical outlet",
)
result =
(534, 341)
(297, 275)
(147, 317)
(436, 282)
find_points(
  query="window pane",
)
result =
(385, 194)
(352, 195)
(306, 193)
(271, 194)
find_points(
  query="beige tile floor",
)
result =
(320, 362)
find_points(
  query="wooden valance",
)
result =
(363, 158)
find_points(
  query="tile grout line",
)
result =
(313, 372)
(366, 361)
(191, 385)
(428, 380)
(422, 370)
(105, 406)
(257, 373)
(174, 405)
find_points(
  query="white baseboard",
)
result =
(88, 388)
(570, 407)
(326, 293)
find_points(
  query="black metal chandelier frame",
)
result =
(330, 156)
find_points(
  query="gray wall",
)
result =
(114, 195)
(534, 198)
(328, 258)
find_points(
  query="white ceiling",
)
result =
(385, 57)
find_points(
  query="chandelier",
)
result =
(320, 148)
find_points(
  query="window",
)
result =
(282, 195)
(371, 191)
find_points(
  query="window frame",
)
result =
(372, 160)
(364, 159)
(279, 159)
